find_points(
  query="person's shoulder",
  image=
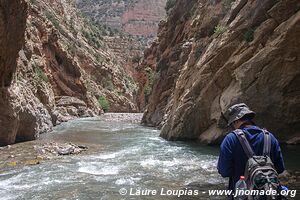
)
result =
(273, 138)
(230, 137)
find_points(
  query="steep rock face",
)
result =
(21, 116)
(143, 17)
(55, 66)
(129, 51)
(86, 68)
(136, 17)
(136, 22)
(212, 54)
(12, 27)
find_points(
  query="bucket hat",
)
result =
(237, 112)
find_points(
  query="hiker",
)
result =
(233, 154)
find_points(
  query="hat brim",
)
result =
(250, 115)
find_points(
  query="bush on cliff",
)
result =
(103, 103)
(219, 30)
(52, 18)
(249, 35)
(40, 73)
(147, 93)
(169, 5)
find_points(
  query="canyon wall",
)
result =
(56, 66)
(137, 23)
(12, 30)
(136, 17)
(212, 54)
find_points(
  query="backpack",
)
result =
(260, 172)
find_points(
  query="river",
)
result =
(132, 159)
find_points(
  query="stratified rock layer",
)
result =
(21, 116)
(212, 54)
(55, 66)
(139, 17)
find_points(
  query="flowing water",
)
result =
(133, 158)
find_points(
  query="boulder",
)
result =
(65, 101)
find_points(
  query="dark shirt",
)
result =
(232, 159)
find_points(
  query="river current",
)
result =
(133, 159)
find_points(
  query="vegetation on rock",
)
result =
(219, 30)
(40, 73)
(169, 5)
(249, 56)
(249, 35)
(103, 103)
(56, 68)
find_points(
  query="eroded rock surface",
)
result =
(16, 109)
(212, 54)
(139, 18)
(55, 65)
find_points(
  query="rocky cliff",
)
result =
(12, 15)
(212, 54)
(136, 17)
(56, 66)
(137, 23)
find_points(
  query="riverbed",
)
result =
(132, 159)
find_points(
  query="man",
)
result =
(232, 160)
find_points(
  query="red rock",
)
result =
(251, 58)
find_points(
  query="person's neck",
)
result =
(246, 124)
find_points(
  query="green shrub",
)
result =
(99, 58)
(71, 24)
(147, 93)
(219, 30)
(169, 5)
(249, 35)
(93, 32)
(152, 75)
(87, 35)
(111, 33)
(71, 47)
(161, 66)
(211, 31)
(103, 103)
(128, 81)
(40, 73)
(53, 20)
(107, 84)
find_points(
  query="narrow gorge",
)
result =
(125, 99)
(58, 65)
(212, 54)
(61, 60)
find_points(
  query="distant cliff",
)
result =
(212, 54)
(56, 66)
(136, 17)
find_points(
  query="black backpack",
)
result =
(260, 172)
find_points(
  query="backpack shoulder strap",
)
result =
(267, 143)
(244, 142)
